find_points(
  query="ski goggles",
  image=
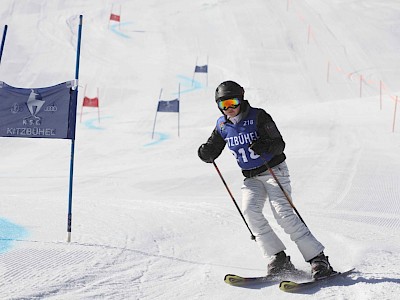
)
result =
(229, 103)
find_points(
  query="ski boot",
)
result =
(320, 266)
(280, 264)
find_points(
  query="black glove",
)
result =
(261, 146)
(206, 153)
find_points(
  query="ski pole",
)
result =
(234, 201)
(283, 190)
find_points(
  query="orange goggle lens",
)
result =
(229, 103)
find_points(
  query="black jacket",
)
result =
(267, 131)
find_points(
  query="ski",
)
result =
(295, 287)
(237, 280)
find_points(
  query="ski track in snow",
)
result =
(110, 270)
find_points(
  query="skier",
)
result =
(254, 139)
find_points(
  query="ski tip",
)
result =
(350, 270)
(345, 273)
(233, 279)
(288, 286)
(228, 277)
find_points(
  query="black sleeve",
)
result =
(269, 133)
(210, 150)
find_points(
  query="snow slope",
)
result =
(150, 220)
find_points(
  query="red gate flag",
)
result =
(90, 102)
(114, 17)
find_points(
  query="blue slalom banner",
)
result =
(168, 106)
(201, 69)
(48, 112)
(44, 112)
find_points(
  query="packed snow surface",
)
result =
(149, 219)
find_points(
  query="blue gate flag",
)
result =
(201, 69)
(168, 106)
(48, 112)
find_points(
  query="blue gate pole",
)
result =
(71, 170)
(3, 41)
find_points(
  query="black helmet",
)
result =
(229, 89)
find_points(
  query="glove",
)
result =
(261, 146)
(206, 153)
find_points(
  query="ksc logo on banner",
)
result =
(41, 112)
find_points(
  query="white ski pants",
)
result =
(255, 192)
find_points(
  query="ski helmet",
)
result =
(229, 89)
